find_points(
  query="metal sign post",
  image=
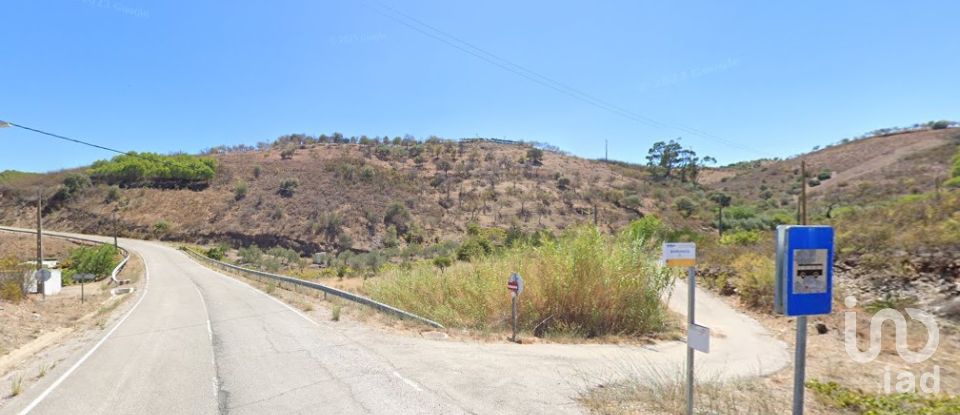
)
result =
(804, 287)
(691, 293)
(83, 278)
(515, 285)
(698, 337)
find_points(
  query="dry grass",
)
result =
(862, 171)
(585, 284)
(16, 385)
(653, 390)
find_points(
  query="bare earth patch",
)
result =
(36, 323)
(827, 361)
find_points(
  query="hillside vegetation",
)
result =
(149, 169)
(330, 194)
(338, 207)
(584, 284)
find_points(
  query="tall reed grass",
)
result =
(584, 284)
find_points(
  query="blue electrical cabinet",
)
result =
(804, 280)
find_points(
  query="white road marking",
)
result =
(407, 381)
(288, 306)
(304, 316)
(39, 399)
(213, 353)
(205, 311)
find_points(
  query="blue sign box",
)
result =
(804, 280)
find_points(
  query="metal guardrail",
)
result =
(317, 286)
(116, 270)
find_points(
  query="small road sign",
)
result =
(84, 277)
(43, 275)
(515, 283)
(680, 254)
(698, 338)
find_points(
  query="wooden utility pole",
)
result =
(40, 282)
(596, 219)
(803, 192)
(115, 229)
(802, 200)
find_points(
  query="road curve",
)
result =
(197, 341)
(200, 342)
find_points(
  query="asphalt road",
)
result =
(196, 341)
(199, 342)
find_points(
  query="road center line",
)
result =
(407, 381)
(213, 353)
(63, 377)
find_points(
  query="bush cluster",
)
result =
(584, 284)
(135, 169)
(99, 261)
(754, 280)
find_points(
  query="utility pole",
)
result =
(803, 192)
(800, 353)
(936, 185)
(596, 221)
(115, 229)
(606, 151)
(40, 282)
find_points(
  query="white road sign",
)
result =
(698, 338)
(680, 254)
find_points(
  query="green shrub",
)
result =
(12, 279)
(288, 153)
(647, 230)
(75, 183)
(939, 125)
(99, 261)
(113, 194)
(442, 262)
(742, 238)
(632, 202)
(367, 174)
(144, 168)
(161, 228)
(398, 216)
(739, 213)
(11, 291)
(535, 155)
(390, 240)
(288, 187)
(474, 248)
(754, 280)
(857, 401)
(216, 253)
(586, 283)
(250, 255)
(240, 191)
(824, 175)
(344, 241)
(685, 206)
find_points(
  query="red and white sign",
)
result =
(515, 283)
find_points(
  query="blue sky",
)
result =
(756, 78)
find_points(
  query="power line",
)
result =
(74, 140)
(505, 64)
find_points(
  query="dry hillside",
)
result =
(860, 171)
(343, 193)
